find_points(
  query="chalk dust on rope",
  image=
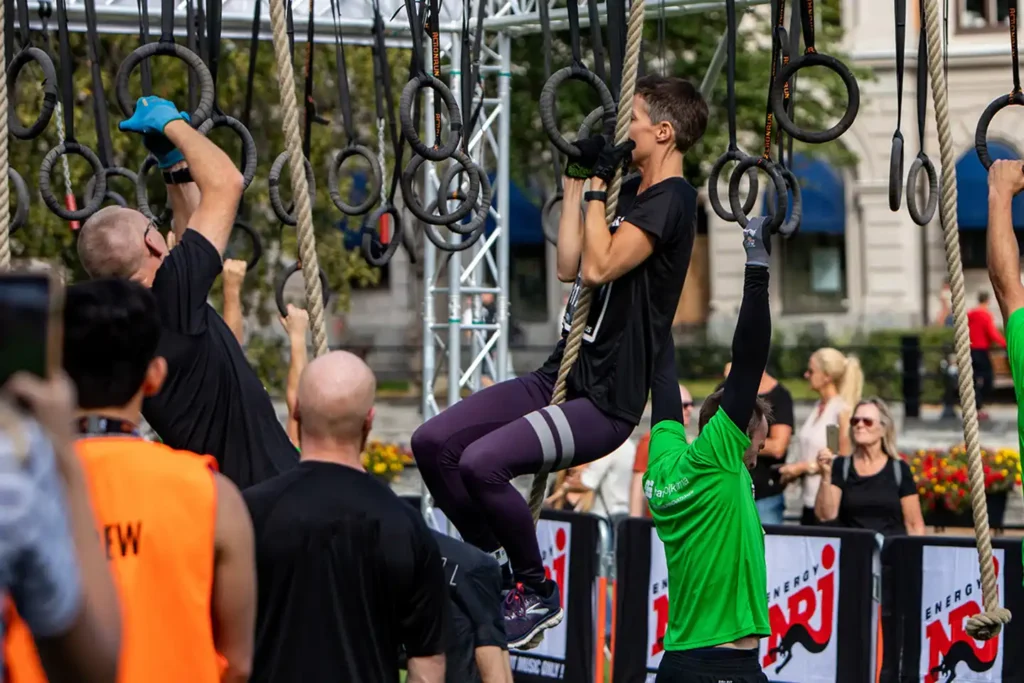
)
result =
(5, 190)
(300, 186)
(634, 38)
(987, 624)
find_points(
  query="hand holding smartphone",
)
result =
(31, 324)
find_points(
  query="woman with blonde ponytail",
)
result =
(838, 381)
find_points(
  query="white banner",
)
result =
(950, 595)
(555, 539)
(657, 605)
(803, 609)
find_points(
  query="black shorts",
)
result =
(711, 665)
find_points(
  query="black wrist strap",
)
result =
(179, 177)
(595, 196)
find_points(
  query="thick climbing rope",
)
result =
(634, 38)
(988, 623)
(300, 186)
(5, 191)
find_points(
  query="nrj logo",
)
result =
(555, 560)
(807, 595)
(948, 642)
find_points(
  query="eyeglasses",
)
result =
(866, 421)
(687, 404)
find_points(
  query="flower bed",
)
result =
(386, 460)
(944, 485)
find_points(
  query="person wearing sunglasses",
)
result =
(872, 488)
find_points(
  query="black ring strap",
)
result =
(922, 216)
(733, 153)
(1003, 101)
(194, 42)
(145, 74)
(596, 40)
(764, 161)
(70, 145)
(796, 205)
(616, 44)
(811, 57)
(578, 71)
(15, 64)
(547, 216)
(896, 152)
(104, 145)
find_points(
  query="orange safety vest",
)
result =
(156, 510)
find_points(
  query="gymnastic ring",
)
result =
(117, 198)
(713, 180)
(22, 199)
(192, 61)
(781, 193)
(547, 223)
(466, 242)
(19, 62)
(274, 188)
(922, 163)
(896, 172)
(548, 120)
(116, 171)
(589, 121)
(92, 203)
(249, 160)
(547, 106)
(981, 132)
(779, 105)
(257, 244)
(142, 194)
(796, 212)
(481, 204)
(279, 289)
(371, 236)
(374, 182)
(409, 93)
(459, 161)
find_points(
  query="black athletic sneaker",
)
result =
(528, 613)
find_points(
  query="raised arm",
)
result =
(570, 229)
(234, 276)
(751, 341)
(1005, 180)
(296, 325)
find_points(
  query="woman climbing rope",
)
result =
(469, 453)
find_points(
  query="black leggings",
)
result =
(711, 665)
(469, 453)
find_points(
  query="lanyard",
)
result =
(94, 425)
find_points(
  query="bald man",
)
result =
(347, 573)
(637, 499)
(213, 402)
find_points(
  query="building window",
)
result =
(814, 273)
(982, 15)
(528, 282)
(972, 247)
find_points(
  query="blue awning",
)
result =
(972, 189)
(524, 216)
(822, 191)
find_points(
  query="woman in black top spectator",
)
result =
(873, 488)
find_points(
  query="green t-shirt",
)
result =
(702, 502)
(1015, 353)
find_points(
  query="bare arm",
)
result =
(234, 276)
(184, 199)
(826, 504)
(636, 495)
(1005, 179)
(912, 517)
(570, 232)
(493, 664)
(295, 325)
(844, 432)
(234, 583)
(217, 180)
(426, 669)
(777, 442)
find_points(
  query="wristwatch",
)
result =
(595, 196)
(179, 177)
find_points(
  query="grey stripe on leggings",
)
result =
(545, 434)
(564, 435)
(547, 440)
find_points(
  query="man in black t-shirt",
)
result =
(347, 573)
(468, 454)
(212, 402)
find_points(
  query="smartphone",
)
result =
(832, 438)
(31, 324)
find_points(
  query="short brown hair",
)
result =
(678, 102)
(710, 406)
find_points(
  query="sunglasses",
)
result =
(687, 404)
(866, 421)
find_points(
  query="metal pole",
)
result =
(454, 270)
(502, 181)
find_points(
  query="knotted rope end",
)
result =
(987, 625)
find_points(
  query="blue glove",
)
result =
(166, 153)
(152, 114)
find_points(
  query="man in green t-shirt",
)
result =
(702, 500)
(1005, 180)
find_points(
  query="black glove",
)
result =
(757, 242)
(582, 167)
(612, 158)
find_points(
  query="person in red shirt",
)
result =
(984, 335)
(637, 500)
